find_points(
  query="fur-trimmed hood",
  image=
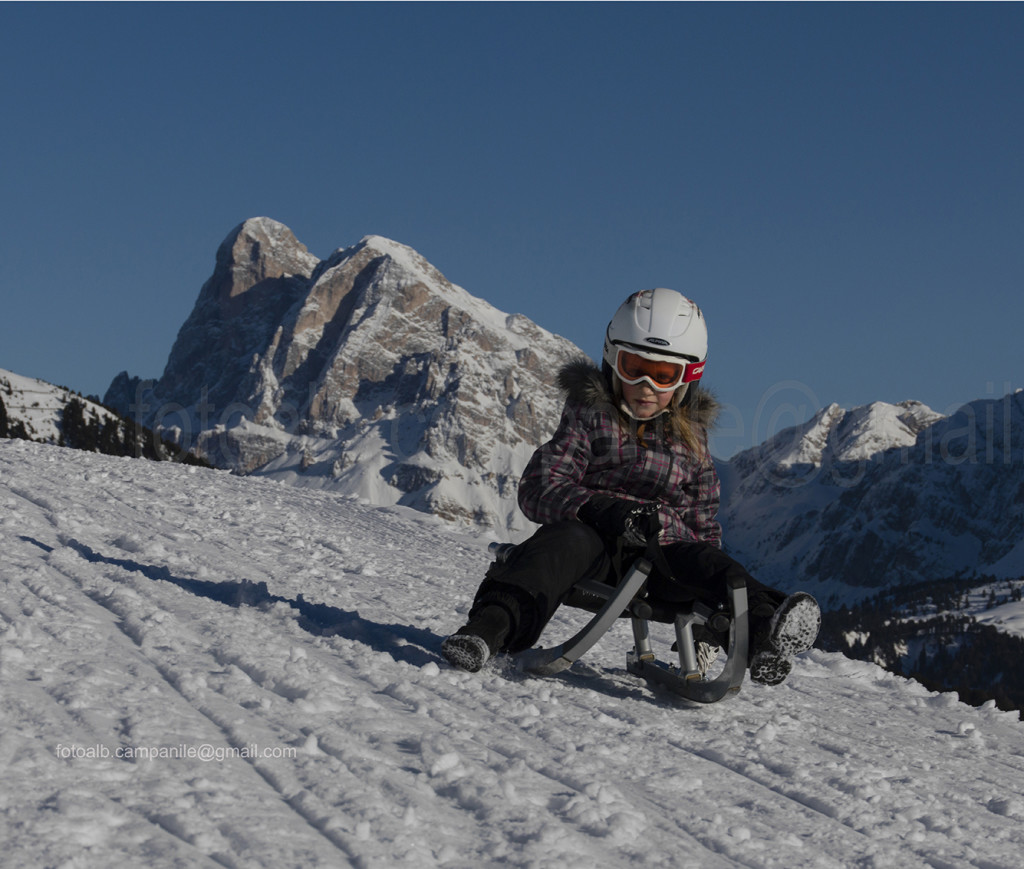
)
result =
(586, 384)
(597, 451)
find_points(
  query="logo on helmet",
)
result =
(661, 342)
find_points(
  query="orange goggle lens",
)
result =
(662, 375)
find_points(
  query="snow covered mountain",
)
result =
(38, 411)
(368, 373)
(853, 501)
(205, 670)
(35, 408)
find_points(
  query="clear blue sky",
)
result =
(840, 187)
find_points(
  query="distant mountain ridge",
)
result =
(883, 495)
(367, 373)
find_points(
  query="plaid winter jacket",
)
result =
(594, 452)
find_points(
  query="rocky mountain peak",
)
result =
(261, 271)
(835, 436)
(368, 372)
(257, 250)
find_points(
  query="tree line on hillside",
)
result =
(82, 429)
(9, 429)
(921, 632)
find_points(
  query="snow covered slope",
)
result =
(39, 405)
(160, 706)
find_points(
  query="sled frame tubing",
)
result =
(622, 600)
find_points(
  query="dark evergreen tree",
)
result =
(111, 442)
(17, 429)
(72, 424)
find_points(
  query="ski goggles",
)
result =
(661, 374)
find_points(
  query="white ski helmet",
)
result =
(658, 325)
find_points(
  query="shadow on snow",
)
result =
(406, 643)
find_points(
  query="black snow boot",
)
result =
(474, 644)
(792, 630)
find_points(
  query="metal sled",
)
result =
(627, 600)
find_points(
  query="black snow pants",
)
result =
(537, 576)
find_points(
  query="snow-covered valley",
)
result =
(160, 707)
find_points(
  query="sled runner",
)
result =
(627, 600)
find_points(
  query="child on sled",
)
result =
(628, 461)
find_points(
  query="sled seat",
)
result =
(608, 603)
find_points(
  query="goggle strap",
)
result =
(693, 371)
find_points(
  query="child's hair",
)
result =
(681, 423)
